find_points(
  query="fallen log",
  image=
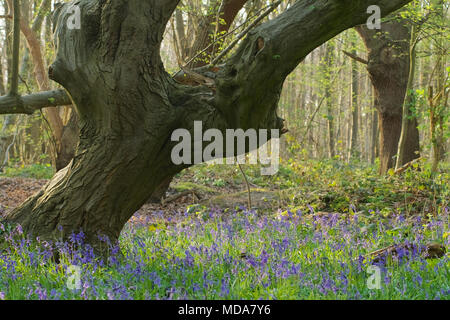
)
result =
(428, 251)
(406, 166)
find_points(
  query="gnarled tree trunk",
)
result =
(129, 106)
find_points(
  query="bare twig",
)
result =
(248, 186)
(355, 57)
(26, 84)
(214, 42)
(243, 33)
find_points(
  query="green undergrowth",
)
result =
(332, 186)
(35, 171)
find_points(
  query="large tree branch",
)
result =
(249, 85)
(30, 103)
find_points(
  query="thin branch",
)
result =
(26, 84)
(217, 40)
(216, 31)
(243, 33)
(355, 57)
(248, 186)
(407, 165)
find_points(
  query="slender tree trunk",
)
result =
(438, 103)
(2, 86)
(406, 145)
(354, 150)
(216, 22)
(330, 120)
(6, 139)
(374, 138)
(8, 42)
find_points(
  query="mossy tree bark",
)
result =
(129, 106)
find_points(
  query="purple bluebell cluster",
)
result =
(237, 254)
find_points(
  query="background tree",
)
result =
(61, 121)
(389, 67)
(423, 24)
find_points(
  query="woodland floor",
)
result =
(319, 187)
(14, 191)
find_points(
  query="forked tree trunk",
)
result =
(129, 106)
(388, 67)
(227, 11)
